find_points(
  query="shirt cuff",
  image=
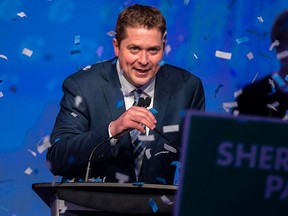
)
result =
(113, 141)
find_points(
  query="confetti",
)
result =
(223, 55)
(1, 94)
(44, 145)
(78, 100)
(274, 44)
(285, 118)
(3, 56)
(99, 51)
(250, 55)
(154, 111)
(153, 205)
(186, 2)
(242, 40)
(77, 40)
(228, 105)
(237, 93)
(21, 14)
(148, 153)
(260, 19)
(177, 171)
(274, 105)
(166, 200)
(170, 128)
(255, 77)
(161, 152)
(168, 49)
(194, 55)
(169, 148)
(286, 78)
(87, 67)
(74, 114)
(282, 55)
(236, 112)
(27, 52)
(146, 138)
(278, 79)
(122, 178)
(28, 171)
(119, 103)
(111, 33)
(32, 152)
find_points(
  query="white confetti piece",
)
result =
(28, 171)
(1, 94)
(3, 56)
(223, 55)
(170, 148)
(78, 100)
(54, 180)
(44, 145)
(228, 105)
(170, 128)
(87, 67)
(260, 19)
(32, 152)
(273, 106)
(255, 77)
(99, 51)
(122, 178)
(168, 49)
(162, 152)
(237, 93)
(77, 39)
(21, 14)
(186, 2)
(146, 138)
(236, 112)
(282, 55)
(74, 114)
(27, 52)
(195, 55)
(148, 153)
(242, 40)
(166, 200)
(274, 44)
(250, 55)
(111, 33)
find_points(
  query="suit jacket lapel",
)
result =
(162, 96)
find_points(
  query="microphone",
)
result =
(142, 103)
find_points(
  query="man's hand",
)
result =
(134, 118)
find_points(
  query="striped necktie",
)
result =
(138, 146)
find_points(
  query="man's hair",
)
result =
(280, 30)
(139, 16)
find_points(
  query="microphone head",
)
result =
(147, 102)
(141, 102)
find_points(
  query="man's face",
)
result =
(139, 54)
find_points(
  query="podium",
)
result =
(69, 199)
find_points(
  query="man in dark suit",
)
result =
(98, 105)
(269, 95)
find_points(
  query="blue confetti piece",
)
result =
(119, 103)
(177, 171)
(278, 79)
(56, 140)
(153, 205)
(138, 184)
(161, 180)
(242, 40)
(154, 111)
(114, 61)
(161, 63)
(182, 113)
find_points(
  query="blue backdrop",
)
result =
(30, 83)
